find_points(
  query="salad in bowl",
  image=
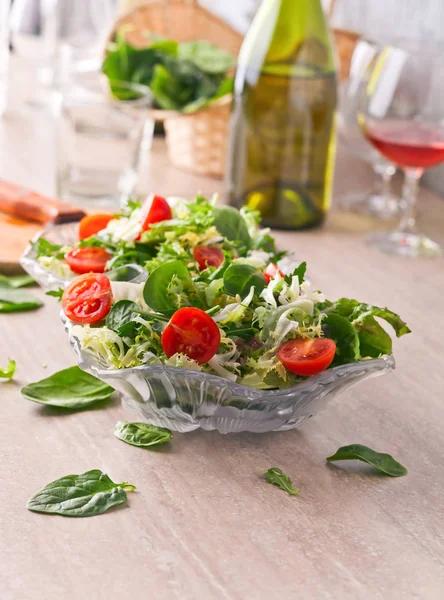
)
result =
(225, 332)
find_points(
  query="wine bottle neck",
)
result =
(288, 36)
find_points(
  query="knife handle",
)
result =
(20, 202)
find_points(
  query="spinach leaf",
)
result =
(13, 300)
(121, 317)
(229, 223)
(16, 281)
(142, 435)
(156, 291)
(239, 278)
(58, 293)
(373, 339)
(86, 495)
(69, 388)
(206, 57)
(382, 462)
(341, 331)
(277, 477)
(43, 247)
(8, 372)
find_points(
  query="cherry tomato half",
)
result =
(154, 211)
(208, 256)
(87, 299)
(193, 333)
(87, 259)
(271, 271)
(307, 357)
(92, 224)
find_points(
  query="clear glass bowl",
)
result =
(185, 400)
(67, 235)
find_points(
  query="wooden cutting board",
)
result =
(15, 234)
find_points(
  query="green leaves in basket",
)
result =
(183, 77)
(69, 388)
(86, 495)
(8, 372)
(277, 477)
(142, 435)
(385, 463)
(15, 300)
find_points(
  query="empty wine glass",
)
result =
(402, 115)
(379, 202)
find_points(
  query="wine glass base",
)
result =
(404, 244)
(374, 205)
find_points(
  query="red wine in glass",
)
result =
(410, 144)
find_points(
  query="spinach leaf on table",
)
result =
(16, 281)
(385, 463)
(8, 372)
(58, 293)
(142, 435)
(239, 278)
(277, 477)
(86, 495)
(15, 300)
(69, 388)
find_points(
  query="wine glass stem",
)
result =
(410, 194)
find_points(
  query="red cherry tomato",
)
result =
(154, 211)
(193, 333)
(271, 271)
(208, 256)
(92, 224)
(87, 299)
(307, 357)
(87, 259)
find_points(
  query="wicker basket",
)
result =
(196, 142)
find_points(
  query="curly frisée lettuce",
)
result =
(254, 318)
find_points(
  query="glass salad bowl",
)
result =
(184, 400)
(67, 235)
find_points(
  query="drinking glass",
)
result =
(101, 139)
(4, 53)
(379, 202)
(402, 115)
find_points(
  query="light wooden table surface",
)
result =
(203, 524)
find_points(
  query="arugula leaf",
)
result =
(142, 435)
(299, 272)
(43, 247)
(58, 293)
(229, 223)
(69, 388)
(156, 291)
(16, 281)
(277, 477)
(357, 311)
(385, 463)
(121, 317)
(8, 372)
(86, 495)
(13, 300)
(238, 279)
(206, 56)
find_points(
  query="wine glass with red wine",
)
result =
(402, 115)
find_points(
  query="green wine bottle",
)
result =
(282, 132)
